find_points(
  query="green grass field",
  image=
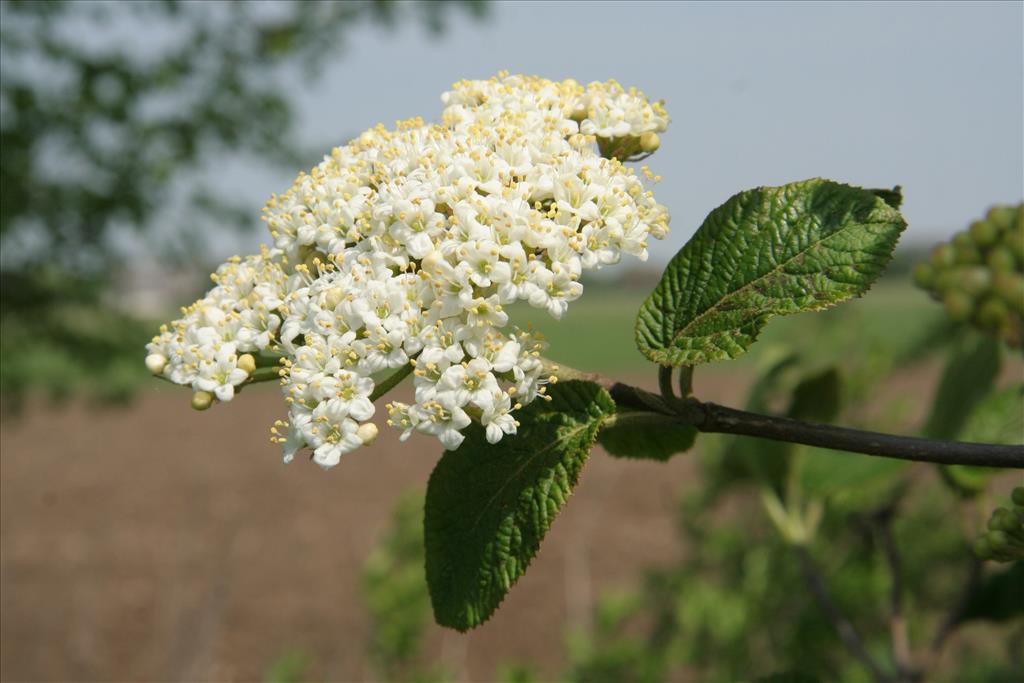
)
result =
(597, 331)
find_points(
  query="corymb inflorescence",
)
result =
(400, 251)
(979, 274)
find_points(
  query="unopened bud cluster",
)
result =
(404, 247)
(1004, 539)
(979, 274)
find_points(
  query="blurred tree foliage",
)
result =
(788, 542)
(106, 110)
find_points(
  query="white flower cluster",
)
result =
(401, 250)
(240, 315)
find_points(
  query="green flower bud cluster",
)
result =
(979, 274)
(1004, 539)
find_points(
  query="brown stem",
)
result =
(897, 619)
(731, 421)
(844, 628)
(952, 620)
(711, 417)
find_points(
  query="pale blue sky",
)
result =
(927, 95)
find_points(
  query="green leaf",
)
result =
(825, 473)
(850, 481)
(488, 506)
(998, 598)
(636, 439)
(997, 418)
(744, 457)
(817, 397)
(968, 378)
(771, 251)
(969, 375)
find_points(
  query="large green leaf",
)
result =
(771, 251)
(488, 506)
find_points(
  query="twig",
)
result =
(731, 421)
(847, 633)
(665, 384)
(897, 620)
(386, 384)
(686, 381)
(952, 621)
(711, 417)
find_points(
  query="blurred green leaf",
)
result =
(968, 378)
(395, 590)
(290, 667)
(746, 458)
(969, 375)
(848, 480)
(997, 418)
(788, 677)
(999, 597)
(818, 397)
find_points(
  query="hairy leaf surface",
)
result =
(771, 251)
(488, 506)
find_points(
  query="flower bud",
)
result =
(942, 255)
(966, 254)
(995, 521)
(432, 261)
(1000, 260)
(649, 142)
(246, 363)
(1018, 496)
(998, 540)
(156, 363)
(993, 314)
(367, 433)
(333, 297)
(984, 233)
(958, 305)
(1002, 216)
(1013, 239)
(924, 275)
(1010, 286)
(201, 400)
(974, 280)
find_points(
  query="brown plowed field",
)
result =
(157, 543)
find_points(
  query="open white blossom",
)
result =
(402, 250)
